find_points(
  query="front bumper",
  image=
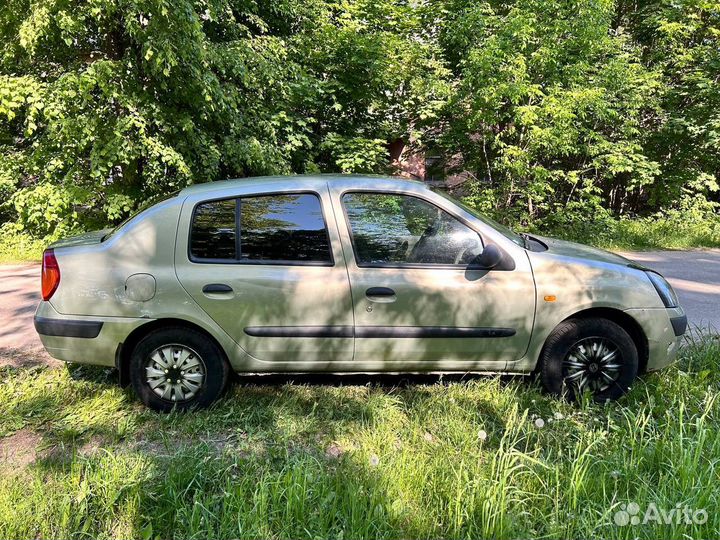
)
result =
(664, 329)
(83, 340)
(679, 325)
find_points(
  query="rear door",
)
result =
(417, 303)
(268, 268)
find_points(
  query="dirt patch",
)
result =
(20, 449)
(230, 443)
(334, 451)
(26, 357)
(95, 443)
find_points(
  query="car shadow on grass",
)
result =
(283, 456)
(295, 410)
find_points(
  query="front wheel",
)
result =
(589, 355)
(177, 368)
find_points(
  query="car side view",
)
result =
(345, 274)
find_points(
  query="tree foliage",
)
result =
(558, 110)
(682, 41)
(554, 101)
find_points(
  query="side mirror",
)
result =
(490, 257)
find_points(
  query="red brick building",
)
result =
(410, 162)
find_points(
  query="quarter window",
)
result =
(272, 228)
(213, 230)
(392, 229)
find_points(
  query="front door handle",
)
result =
(211, 288)
(380, 294)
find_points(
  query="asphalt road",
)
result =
(19, 295)
(695, 274)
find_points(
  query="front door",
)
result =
(416, 303)
(270, 272)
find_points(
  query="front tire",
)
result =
(589, 355)
(178, 368)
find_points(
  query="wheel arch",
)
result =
(627, 323)
(125, 349)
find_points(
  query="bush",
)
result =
(46, 209)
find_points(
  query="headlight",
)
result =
(664, 289)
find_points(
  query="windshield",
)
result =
(502, 229)
(152, 201)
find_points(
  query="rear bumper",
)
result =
(664, 329)
(91, 340)
(67, 328)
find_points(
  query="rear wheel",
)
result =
(589, 355)
(178, 368)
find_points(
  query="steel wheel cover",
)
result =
(175, 372)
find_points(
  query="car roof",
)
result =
(301, 179)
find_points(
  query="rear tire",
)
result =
(178, 368)
(589, 355)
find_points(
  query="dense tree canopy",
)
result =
(555, 109)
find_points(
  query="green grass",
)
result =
(17, 247)
(412, 463)
(664, 234)
(637, 234)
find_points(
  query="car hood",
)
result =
(88, 238)
(581, 251)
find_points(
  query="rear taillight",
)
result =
(50, 274)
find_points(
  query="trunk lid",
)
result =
(85, 239)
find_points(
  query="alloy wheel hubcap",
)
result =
(592, 364)
(175, 372)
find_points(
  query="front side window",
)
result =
(272, 228)
(389, 229)
(502, 229)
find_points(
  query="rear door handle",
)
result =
(380, 294)
(216, 288)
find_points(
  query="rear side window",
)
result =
(283, 228)
(278, 229)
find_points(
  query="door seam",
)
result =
(345, 262)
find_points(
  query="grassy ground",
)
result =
(462, 459)
(663, 234)
(644, 233)
(18, 247)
